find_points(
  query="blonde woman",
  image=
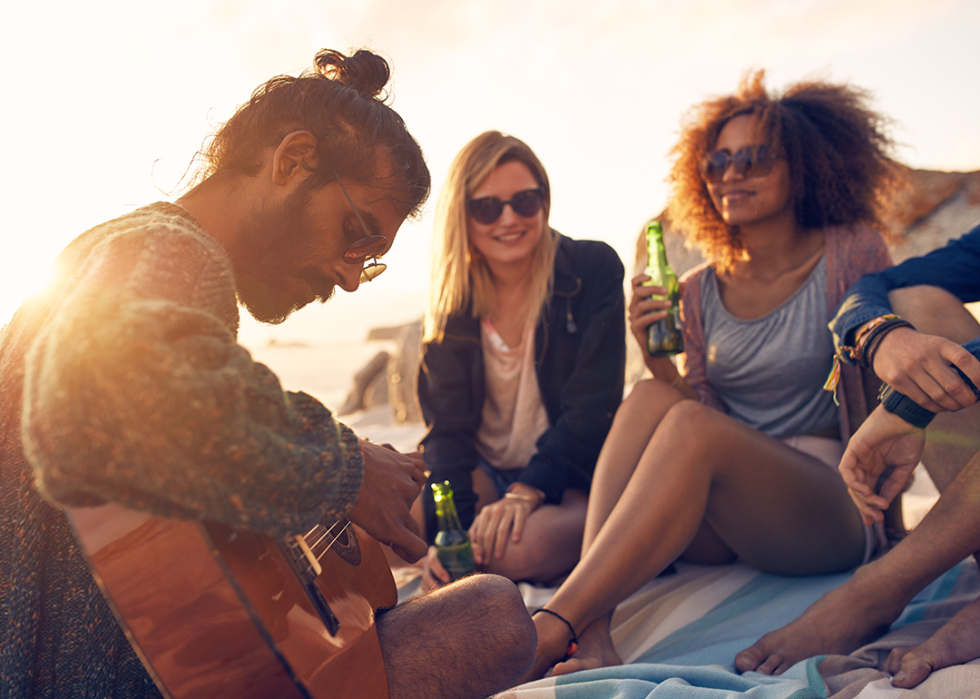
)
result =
(522, 367)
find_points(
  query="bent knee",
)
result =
(688, 412)
(934, 311)
(504, 620)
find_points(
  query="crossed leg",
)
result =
(674, 478)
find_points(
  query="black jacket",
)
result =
(580, 358)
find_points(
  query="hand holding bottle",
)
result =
(646, 309)
(664, 337)
(433, 573)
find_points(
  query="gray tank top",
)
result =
(770, 371)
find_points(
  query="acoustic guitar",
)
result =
(215, 612)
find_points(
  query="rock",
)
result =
(403, 372)
(364, 394)
(937, 207)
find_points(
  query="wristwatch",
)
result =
(904, 407)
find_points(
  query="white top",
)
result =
(513, 415)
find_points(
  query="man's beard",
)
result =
(274, 245)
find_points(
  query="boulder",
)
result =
(403, 372)
(370, 386)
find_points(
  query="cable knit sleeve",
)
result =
(137, 391)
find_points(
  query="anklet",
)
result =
(572, 644)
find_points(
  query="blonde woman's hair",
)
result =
(459, 273)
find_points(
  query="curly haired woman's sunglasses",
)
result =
(749, 161)
(486, 210)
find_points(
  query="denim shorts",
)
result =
(501, 479)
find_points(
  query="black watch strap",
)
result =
(904, 407)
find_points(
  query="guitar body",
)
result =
(215, 612)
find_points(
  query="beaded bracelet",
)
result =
(857, 353)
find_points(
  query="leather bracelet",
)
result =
(868, 345)
(904, 407)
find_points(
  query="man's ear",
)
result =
(295, 157)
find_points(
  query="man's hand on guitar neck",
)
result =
(392, 481)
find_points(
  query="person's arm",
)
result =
(450, 393)
(884, 443)
(920, 366)
(892, 438)
(137, 391)
(953, 267)
(593, 390)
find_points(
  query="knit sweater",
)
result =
(124, 381)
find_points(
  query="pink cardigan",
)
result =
(851, 251)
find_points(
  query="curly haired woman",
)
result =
(733, 453)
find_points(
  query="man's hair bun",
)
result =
(366, 72)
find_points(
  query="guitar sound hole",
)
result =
(347, 548)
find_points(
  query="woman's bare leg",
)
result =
(760, 496)
(554, 535)
(631, 431)
(549, 545)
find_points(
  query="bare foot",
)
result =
(595, 649)
(958, 641)
(839, 622)
(553, 638)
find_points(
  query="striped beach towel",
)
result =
(679, 635)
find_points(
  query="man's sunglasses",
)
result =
(368, 247)
(486, 210)
(750, 161)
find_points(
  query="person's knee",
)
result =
(470, 638)
(519, 562)
(683, 415)
(504, 621)
(934, 311)
(647, 391)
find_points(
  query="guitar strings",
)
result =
(326, 533)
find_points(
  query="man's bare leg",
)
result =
(846, 618)
(465, 640)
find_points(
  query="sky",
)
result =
(107, 101)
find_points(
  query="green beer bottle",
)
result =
(664, 337)
(452, 542)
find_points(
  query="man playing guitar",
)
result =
(123, 383)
